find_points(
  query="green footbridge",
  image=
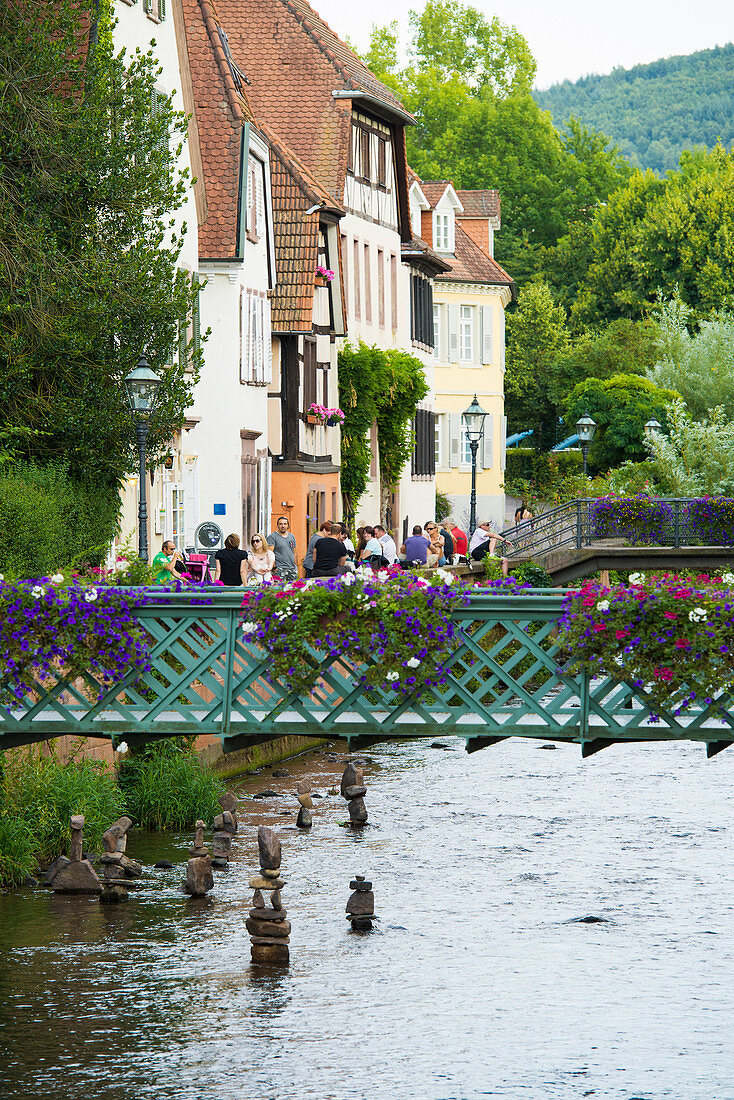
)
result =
(505, 679)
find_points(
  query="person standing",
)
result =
(284, 548)
(323, 532)
(231, 567)
(387, 542)
(329, 556)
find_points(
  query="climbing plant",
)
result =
(383, 388)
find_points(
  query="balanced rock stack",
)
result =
(268, 928)
(75, 875)
(117, 868)
(361, 904)
(354, 790)
(199, 877)
(304, 819)
(225, 826)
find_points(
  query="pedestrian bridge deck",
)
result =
(505, 678)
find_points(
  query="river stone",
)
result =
(357, 811)
(199, 877)
(304, 819)
(53, 870)
(77, 821)
(230, 822)
(267, 914)
(273, 954)
(361, 903)
(360, 885)
(258, 883)
(269, 845)
(355, 792)
(132, 868)
(257, 900)
(306, 801)
(78, 877)
(113, 895)
(221, 845)
(361, 924)
(276, 902)
(352, 777)
(273, 929)
(270, 872)
(280, 773)
(265, 794)
(163, 865)
(111, 858)
(304, 787)
(115, 833)
(228, 801)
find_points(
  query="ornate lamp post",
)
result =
(473, 419)
(585, 428)
(141, 386)
(651, 428)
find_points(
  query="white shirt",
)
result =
(479, 536)
(389, 548)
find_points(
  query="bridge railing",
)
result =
(506, 677)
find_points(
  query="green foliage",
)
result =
(48, 520)
(622, 347)
(696, 456)
(536, 338)
(492, 567)
(621, 406)
(530, 572)
(626, 480)
(698, 365)
(165, 786)
(553, 477)
(40, 795)
(88, 268)
(443, 506)
(654, 112)
(382, 387)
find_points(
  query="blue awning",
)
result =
(513, 439)
(566, 443)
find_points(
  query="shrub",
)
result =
(165, 786)
(547, 477)
(443, 506)
(639, 519)
(534, 575)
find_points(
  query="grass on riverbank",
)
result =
(165, 786)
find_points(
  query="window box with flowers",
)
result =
(321, 414)
(323, 276)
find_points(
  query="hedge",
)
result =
(543, 470)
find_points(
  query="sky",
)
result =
(569, 38)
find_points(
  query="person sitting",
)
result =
(231, 567)
(260, 560)
(436, 545)
(167, 564)
(387, 542)
(461, 542)
(486, 543)
(372, 552)
(329, 556)
(523, 515)
(448, 543)
(415, 547)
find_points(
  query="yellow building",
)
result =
(469, 303)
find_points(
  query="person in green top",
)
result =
(164, 564)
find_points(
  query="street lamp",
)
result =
(141, 386)
(651, 428)
(585, 428)
(473, 419)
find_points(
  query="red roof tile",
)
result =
(480, 204)
(470, 264)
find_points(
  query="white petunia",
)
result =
(698, 615)
(383, 575)
(637, 578)
(91, 595)
(122, 748)
(2, 578)
(38, 591)
(413, 662)
(603, 605)
(727, 578)
(393, 676)
(58, 578)
(347, 580)
(249, 628)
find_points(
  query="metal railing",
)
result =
(506, 678)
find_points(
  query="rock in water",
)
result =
(306, 801)
(199, 877)
(228, 801)
(78, 877)
(269, 845)
(357, 811)
(163, 864)
(350, 778)
(304, 819)
(361, 903)
(272, 953)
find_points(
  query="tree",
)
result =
(695, 457)
(621, 406)
(88, 251)
(623, 347)
(699, 365)
(536, 338)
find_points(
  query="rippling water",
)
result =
(475, 984)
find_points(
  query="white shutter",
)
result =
(252, 337)
(503, 442)
(486, 453)
(453, 334)
(268, 349)
(244, 333)
(454, 420)
(486, 334)
(260, 343)
(443, 441)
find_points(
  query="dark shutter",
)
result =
(310, 396)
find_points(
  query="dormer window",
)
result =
(369, 156)
(443, 225)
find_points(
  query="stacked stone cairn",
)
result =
(304, 819)
(199, 878)
(361, 905)
(268, 928)
(225, 826)
(74, 875)
(354, 790)
(118, 870)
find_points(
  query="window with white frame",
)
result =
(442, 232)
(436, 332)
(415, 221)
(466, 334)
(465, 448)
(438, 440)
(255, 349)
(178, 517)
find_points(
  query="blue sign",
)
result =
(220, 509)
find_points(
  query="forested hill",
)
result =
(654, 111)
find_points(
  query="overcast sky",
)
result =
(570, 38)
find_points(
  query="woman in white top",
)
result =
(260, 560)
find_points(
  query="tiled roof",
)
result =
(295, 63)
(480, 204)
(434, 190)
(422, 255)
(470, 264)
(220, 112)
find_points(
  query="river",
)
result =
(476, 983)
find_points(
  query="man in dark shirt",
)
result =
(329, 557)
(416, 546)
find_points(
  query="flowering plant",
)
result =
(672, 635)
(325, 414)
(51, 631)
(325, 273)
(394, 628)
(638, 518)
(711, 521)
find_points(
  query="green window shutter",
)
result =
(183, 342)
(161, 9)
(197, 314)
(148, 6)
